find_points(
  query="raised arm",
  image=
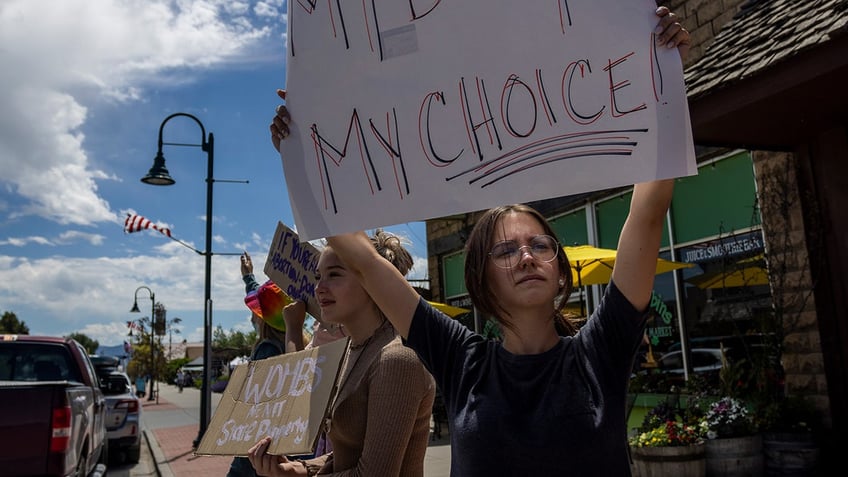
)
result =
(387, 287)
(294, 314)
(247, 276)
(639, 242)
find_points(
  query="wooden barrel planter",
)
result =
(669, 461)
(790, 454)
(735, 456)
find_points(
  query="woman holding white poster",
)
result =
(536, 403)
(373, 428)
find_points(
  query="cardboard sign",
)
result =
(285, 397)
(292, 265)
(406, 111)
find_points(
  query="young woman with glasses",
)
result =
(537, 402)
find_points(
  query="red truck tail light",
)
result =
(61, 435)
(131, 405)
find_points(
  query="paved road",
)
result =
(171, 425)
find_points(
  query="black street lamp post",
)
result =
(135, 309)
(158, 175)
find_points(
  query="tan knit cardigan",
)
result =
(380, 421)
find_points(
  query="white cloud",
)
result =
(22, 241)
(419, 268)
(269, 9)
(76, 291)
(59, 55)
(75, 235)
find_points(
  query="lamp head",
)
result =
(158, 174)
(134, 308)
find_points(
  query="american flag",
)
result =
(137, 223)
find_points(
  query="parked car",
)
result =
(53, 409)
(123, 411)
(727, 341)
(705, 361)
(706, 364)
(668, 370)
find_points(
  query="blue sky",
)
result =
(83, 89)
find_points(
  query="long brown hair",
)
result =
(477, 261)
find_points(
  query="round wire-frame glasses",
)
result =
(508, 254)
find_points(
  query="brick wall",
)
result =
(789, 275)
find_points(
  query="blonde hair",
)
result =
(390, 247)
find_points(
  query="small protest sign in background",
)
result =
(292, 265)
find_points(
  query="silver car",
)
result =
(123, 410)
(123, 417)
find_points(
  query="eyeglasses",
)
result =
(508, 253)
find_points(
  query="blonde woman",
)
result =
(380, 417)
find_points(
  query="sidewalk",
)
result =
(171, 425)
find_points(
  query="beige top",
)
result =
(380, 424)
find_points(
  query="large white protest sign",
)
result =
(285, 397)
(411, 110)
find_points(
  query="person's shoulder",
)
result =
(615, 301)
(269, 347)
(395, 351)
(400, 364)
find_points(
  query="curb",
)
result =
(157, 456)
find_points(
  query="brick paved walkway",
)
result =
(175, 444)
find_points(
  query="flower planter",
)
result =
(735, 456)
(218, 386)
(669, 461)
(642, 403)
(790, 454)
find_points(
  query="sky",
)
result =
(84, 88)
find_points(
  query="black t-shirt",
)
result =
(561, 412)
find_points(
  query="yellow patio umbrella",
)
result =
(583, 259)
(593, 266)
(745, 273)
(451, 311)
